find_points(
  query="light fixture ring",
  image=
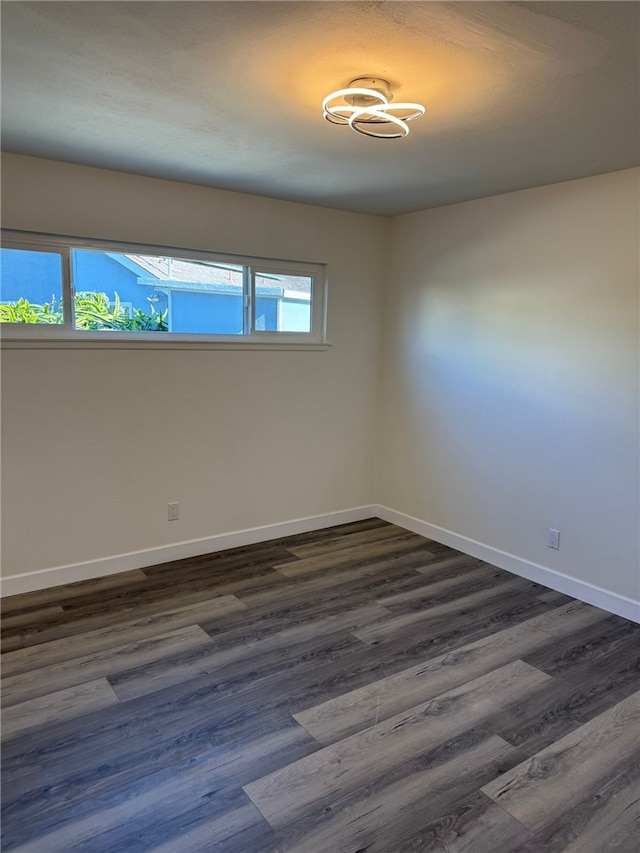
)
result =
(364, 108)
(334, 111)
(360, 125)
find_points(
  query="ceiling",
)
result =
(227, 94)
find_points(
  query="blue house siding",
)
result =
(35, 276)
(97, 271)
(266, 313)
(295, 314)
(206, 313)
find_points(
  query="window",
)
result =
(77, 290)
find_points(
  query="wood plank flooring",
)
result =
(354, 690)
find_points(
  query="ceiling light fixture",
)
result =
(365, 107)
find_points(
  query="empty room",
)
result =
(320, 360)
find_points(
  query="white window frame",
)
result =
(36, 335)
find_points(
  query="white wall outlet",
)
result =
(553, 538)
(174, 511)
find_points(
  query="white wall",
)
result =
(510, 388)
(95, 442)
(507, 402)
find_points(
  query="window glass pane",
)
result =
(149, 293)
(283, 302)
(30, 287)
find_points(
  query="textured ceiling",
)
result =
(228, 94)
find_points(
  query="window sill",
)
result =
(110, 343)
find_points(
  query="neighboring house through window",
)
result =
(70, 287)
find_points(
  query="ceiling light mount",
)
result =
(377, 84)
(365, 106)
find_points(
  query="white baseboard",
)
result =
(583, 591)
(45, 578)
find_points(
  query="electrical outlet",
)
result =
(553, 539)
(174, 511)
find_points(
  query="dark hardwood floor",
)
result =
(348, 690)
